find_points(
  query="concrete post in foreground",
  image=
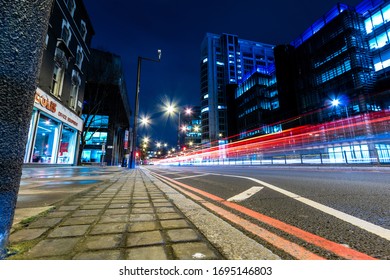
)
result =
(23, 28)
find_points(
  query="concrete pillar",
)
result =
(23, 28)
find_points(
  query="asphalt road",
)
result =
(322, 210)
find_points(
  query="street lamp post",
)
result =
(172, 109)
(134, 142)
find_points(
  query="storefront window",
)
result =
(91, 156)
(45, 147)
(66, 152)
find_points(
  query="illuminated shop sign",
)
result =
(49, 105)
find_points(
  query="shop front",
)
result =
(54, 132)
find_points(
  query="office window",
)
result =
(71, 6)
(74, 91)
(83, 29)
(57, 80)
(96, 138)
(386, 13)
(377, 19)
(368, 24)
(66, 34)
(79, 57)
(98, 121)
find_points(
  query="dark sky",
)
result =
(138, 28)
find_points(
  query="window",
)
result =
(83, 29)
(74, 91)
(79, 57)
(98, 138)
(97, 122)
(57, 80)
(368, 24)
(386, 13)
(71, 6)
(377, 19)
(65, 34)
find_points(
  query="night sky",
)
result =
(177, 27)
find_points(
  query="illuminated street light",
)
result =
(335, 102)
(171, 109)
(145, 121)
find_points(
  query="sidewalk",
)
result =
(126, 217)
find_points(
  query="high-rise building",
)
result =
(225, 60)
(56, 125)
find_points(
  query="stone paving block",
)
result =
(142, 217)
(45, 222)
(142, 205)
(108, 228)
(143, 226)
(53, 247)
(174, 224)
(82, 213)
(193, 251)
(68, 231)
(136, 201)
(180, 235)
(98, 201)
(113, 219)
(92, 206)
(116, 211)
(142, 211)
(165, 210)
(68, 208)
(144, 238)
(57, 214)
(99, 255)
(27, 234)
(163, 204)
(79, 221)
(169, 216)
(146, 253)
(119, 205)
(97, 242)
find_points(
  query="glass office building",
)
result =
(225, 60)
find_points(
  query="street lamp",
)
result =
(134, 144)
(171, 109)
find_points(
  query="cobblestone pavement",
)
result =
(126, 217)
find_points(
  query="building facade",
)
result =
(56, 125)
(330, 61)
(225, 60)
(257, 104)
(336, 75)
(106, 112)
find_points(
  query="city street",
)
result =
(323, 210)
